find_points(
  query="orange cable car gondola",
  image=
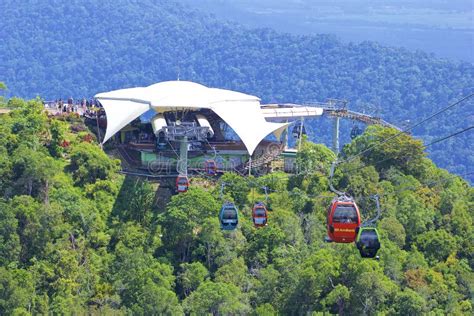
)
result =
(259, 214)
(182, 184)
(343, 218)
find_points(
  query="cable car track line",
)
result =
(424, 147)
(409, 128)
(449, 136)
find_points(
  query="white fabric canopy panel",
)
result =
(240, 111)
(120, 113)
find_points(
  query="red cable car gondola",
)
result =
(210, 167)
(343, 216)
(182, 183)
(342, 220)
(259, 215)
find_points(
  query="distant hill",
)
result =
(56, 49)
(413, 24)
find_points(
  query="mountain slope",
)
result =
(76, 236)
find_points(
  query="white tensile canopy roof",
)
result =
(240, 111)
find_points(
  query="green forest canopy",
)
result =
(78, 237)
(61, 49)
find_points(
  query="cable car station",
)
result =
(178, 127)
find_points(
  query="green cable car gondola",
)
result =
(368, 239)
(368, 242)
(229, 216)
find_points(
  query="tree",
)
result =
(437, 245)
(191, 276)
(408, 302)
(33, 172)
(235, 272)
(315, 281)
(262, 243)
(268, 289)
(414, 215)
(216, 298)
(391, 228)
(67, 273)
(402, 151)
(132, 236)
(314, 158)
(141, 280)
(371, 292)
(135, 201)
(9, 240)
(3, 86)
(58, 130)
(16, 290)
(183, 220)
(103, 193)
(265, 310)
(338, 297)
(361, 182)
(91, 242)
(393, 260)
(38, 225)
(89, 163)
(211, 244)
(5, 172)
(299, 201)
(236, 186)
(29, 122)
(156, 300)
(275, 181)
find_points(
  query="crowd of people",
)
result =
(83, 106)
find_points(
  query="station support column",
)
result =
(335, 136)
(183, 157)
(285, 136)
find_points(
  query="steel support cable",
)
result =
(253, 181)
(409, 128)
(322, 196)
(325, 196)
(449, 136)
(432, 183)
(424, 147)
(172, 148)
